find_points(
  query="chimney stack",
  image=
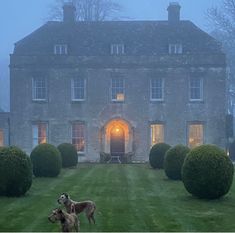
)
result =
(69, 11)
(174, 12)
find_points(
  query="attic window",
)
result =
(175, 49)
(60, 49)
(117, 49)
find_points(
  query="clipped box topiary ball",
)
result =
(46, 160)
(157, 153)
(173, 161)
(207, 172)
(15, 172)
(68, 154)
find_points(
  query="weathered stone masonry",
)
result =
(146, 57)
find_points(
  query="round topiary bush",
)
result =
(15, 172)
(173, 161)
(46, 160)
(68, 154)
(207, 172)
(157, 153)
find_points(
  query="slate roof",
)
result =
(95, 38)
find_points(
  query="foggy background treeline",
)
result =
(20, 18)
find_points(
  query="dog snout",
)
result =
(58, 201)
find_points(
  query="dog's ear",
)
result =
(66, 195)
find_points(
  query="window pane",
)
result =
(175, 49)
(78, 136)
(39, 134)
(195, 135)
(78, 89)
(117, 49)
(60, 49)
(157, 134)
(118, 89)
(196, 89)
(156, 89)
(39, 89)
(1, 138)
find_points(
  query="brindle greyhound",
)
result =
(88, 207)
(69, 222)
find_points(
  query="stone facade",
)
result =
(146, 57)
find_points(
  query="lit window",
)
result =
(39, 89)
(195, 135)
(39, 134)
(117, 49)
(156, 89)
(157, 134)
(196, 89)
(175, 49)
(78, 136)
(117, 89)
(60, 49)
(1, 138)
(78, 89)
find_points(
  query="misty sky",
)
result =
(19, 18)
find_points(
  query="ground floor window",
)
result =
(195, 135)
(157, 133)
(78, 136)
(1, 138)
(39, 133)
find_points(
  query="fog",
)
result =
(20, 18)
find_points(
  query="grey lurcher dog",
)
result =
(88, 207)
(69, 222)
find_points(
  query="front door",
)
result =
(117, 143)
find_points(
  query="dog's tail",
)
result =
(73, 211)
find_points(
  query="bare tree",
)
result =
(223, 17)
(222, 23)
(88, 10)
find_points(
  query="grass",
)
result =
(128, 198)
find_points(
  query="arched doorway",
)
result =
(117, 138)
(117, 142)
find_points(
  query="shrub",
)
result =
(156, 155)
(15, 172)
(46, 161)
(207, 172)
(69, 155)
(104, 157)
(173, 161)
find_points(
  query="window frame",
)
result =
(34, 89)
(117, 49)
(116, 88)
(175, 48)
(163, 125)
(194, 123)
(37, 138)
(60, 49)
(201, 89)
(73, 89)
(162, 88)
(80, 153)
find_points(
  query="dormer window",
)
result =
(175, 49)
(117, 49)
(60, 49)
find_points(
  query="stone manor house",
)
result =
(116, 86)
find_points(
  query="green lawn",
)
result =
(128, 198)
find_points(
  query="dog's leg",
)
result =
(93, 218)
